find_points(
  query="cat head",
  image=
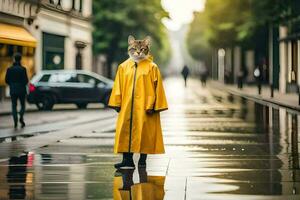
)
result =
(138, 49)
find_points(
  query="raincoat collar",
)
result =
(148, 59)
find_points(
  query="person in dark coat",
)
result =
(185, 73)
(203, 75)
(17, 79)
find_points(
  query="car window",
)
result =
(63, 77)
(83, 78)
(45, 78)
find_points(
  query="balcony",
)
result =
(72, 8)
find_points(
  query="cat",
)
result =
(138, 50)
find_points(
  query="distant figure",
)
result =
(240, 78)
(185, 73)
(203, 75)
(16, 78)
(258, 78)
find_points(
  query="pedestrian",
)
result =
(203, 75)
(240, 78)
(138, 95)
(185, 73)
(257, 76)
(17, 79)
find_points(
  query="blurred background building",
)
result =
(50, 34)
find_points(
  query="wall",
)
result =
(73, 30)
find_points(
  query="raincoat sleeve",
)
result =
(160, 103)
(115, 99)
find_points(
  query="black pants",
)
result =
(14, 103)
(185, 80)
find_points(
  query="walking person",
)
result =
(138, 95)
(258, 79)
(203, 75)
(185, 73)
(240, 78)
(16, 78)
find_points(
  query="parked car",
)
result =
(68, 86)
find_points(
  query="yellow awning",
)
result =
(15, 35)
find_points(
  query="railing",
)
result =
(21, 8)
(68, 9)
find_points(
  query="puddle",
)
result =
(11, 138)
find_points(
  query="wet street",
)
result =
(218, 146)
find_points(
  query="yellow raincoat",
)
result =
(138, 88)
(153, 189)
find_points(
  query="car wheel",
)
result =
(81, 105)
(46, 102)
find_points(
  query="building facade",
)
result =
(276, 52)
(50, 34)
(289, 51)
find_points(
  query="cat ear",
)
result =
(147, 40)
(131, 39)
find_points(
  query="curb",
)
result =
(257, 98)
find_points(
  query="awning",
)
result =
(16, 35)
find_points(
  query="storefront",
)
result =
(15, 39)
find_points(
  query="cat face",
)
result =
(138, 49)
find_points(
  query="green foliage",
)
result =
(235, 22)
(198, 47)
(114, 20)
(227, 22)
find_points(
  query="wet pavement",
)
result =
(217, 147)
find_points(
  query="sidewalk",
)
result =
(5, 107)
(251, 92)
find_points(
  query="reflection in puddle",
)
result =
(19, 180)
(146, 187)
(17, 176)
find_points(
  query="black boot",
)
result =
(127, 177)
(22, 122)
(142, 160)
(16, 125)
(127, 162)
(15, 122)
(143, 175)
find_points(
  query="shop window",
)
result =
(6, 59)
(10, 50)
(53, 51)
(3, 50)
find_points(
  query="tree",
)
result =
(114, 20)
(233, 22)
(197, 45)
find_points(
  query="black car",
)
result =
(68, 86)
